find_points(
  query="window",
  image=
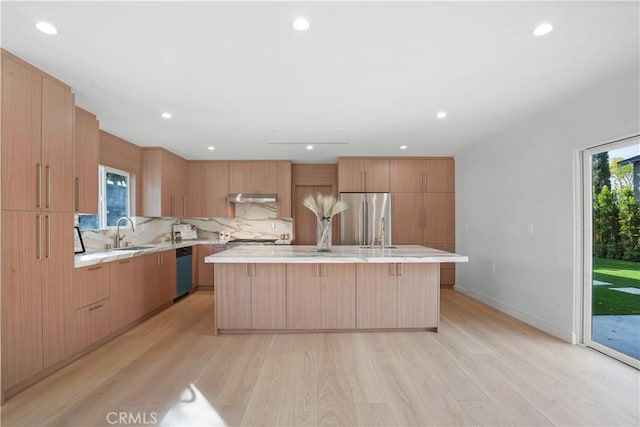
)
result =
(113, 199)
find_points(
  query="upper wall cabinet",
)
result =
(363, 175)
(257, 177)
(164, 183)
(37, 139)
(85, 162)
(431, 175)
(263, 177)
(215, 188)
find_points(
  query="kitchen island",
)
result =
(297, 288)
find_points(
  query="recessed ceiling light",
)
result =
(441, 114)
(166, 115)
(301, 24)
(309, 147)
(403, 147)
(46, 28)
(211, 148)
(542, 29)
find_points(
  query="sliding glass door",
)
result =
(611, 213)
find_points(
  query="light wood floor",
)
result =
(482, 368)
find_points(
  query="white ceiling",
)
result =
(371, 74)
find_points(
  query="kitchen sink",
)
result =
(133, 248)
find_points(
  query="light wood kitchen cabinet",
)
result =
(321, 296)
(22, 277)
(284, 188)
(91, 302)
(92, 323)
(439, 218)
(37, 276)
(250, 296)
(167, 272)
(268, 296)
(123, 280)
(406, 218)
(205, 276)
(361, 174)
(257, 177)
(418, 295)
(157, 280)
(85, 162)
(164, 183)
(338, 296)
(233, 296)
(91, 284)
(304, 296)
(215, 188)
(57, 287)
(194, 190)
(429, 175)
(377, 296)
(37, 139)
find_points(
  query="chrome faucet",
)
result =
(118, 238)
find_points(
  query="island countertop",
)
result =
(340, 254)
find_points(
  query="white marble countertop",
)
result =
(339, 254)
(99, 257)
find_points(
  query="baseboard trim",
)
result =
(527, 318)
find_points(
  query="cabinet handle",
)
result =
(38, 185)
(124, 262)
(48, 168)
(95, 268)
(77, 194)
(392, 269)
(425, 182)
(254, 268)
(158, 260)
(38, 237)
(184, 205)
(400, 269)
(95, 307)
(364, 188)
(47, 224)
(173, 205)
(324, 270)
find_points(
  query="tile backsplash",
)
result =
(252, 221)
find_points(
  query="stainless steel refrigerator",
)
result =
(367, 220)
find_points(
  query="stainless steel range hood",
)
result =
(252, 198)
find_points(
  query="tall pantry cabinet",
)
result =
(37, 221)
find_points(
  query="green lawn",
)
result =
(620, 274)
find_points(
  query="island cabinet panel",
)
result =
(338, 296)
(215, 188)
(304, 296)
(377, 296)
(233, 296)
(123, 279)
(268, 296)
(418, 295)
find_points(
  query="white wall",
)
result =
(526, 176)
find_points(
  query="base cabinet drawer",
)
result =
(90, 285)
(92, 323)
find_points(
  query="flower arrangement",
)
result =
(325, 207)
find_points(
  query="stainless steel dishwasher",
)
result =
(184, 274)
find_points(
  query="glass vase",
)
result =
(324, 234)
